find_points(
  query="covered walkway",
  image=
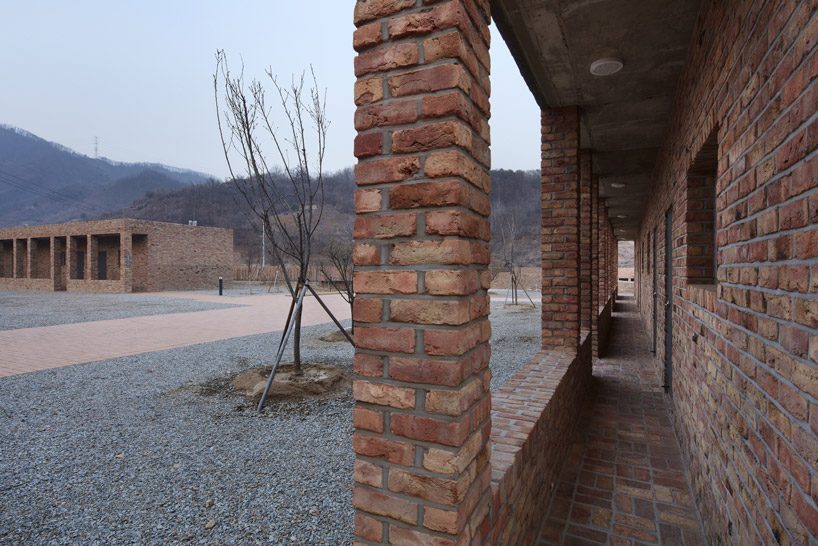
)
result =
(625, 481)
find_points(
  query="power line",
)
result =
(26, 185)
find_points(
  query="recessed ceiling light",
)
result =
(617, 185)
(621, 216)
(606, 67)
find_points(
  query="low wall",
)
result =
(534, 422)
(26, 284)
(94, 286)
(604, 325)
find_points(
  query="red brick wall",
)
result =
(181, 257)
(745, 379)
(586, 292)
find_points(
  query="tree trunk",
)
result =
(297, 333)
(297, 343)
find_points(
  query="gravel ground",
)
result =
(515, 337)
(132, 450)
(30, 309)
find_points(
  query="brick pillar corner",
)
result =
(421, 387)
(586, 293)
(560, 229)
(91, 249)
(125, 257)
(595, 296)
(604, 246)
(28, 257)
(53, 255)
(14, 257)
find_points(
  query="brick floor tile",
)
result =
(627, 484)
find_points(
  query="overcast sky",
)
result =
(138, 75)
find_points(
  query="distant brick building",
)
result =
(121, 255)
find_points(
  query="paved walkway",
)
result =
(34, 349)
(625, 483)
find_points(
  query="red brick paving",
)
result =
(625, 483)
(28, 350)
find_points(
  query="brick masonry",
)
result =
(421, 253)
(745, 347)
(433, 465)
(534, 423)
(560, 229)
(138, 256)
(421, 381)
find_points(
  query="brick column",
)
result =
(602, 252)
(90, 258)
(560, 229)
(53, 257)
(614, 263)
(14, 258)
(125, 258)
(586, 294)
(421, 384)
(29, 242)
(595, 296)
(70, 258)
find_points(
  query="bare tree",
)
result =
(508, 236)
(339, 273)
(288, 201)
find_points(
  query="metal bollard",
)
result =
(221, 286)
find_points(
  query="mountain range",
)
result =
(44, 182)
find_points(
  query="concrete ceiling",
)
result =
(624, 116)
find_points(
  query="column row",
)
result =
(578, 243)
(74, 257)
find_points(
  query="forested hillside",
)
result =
(44, 182)
(515, 200)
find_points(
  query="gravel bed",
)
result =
(516, 336)
(30, 309)
(132, 451)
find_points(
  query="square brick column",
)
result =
(595, 296)
(560, 229)
(422, 411)
(29, 253)
(586, 293)
(125, 257)
(53, 255)
(604, 268)
(91, 249)
(14, 257)
(613, 261)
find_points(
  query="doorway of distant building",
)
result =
(60, 270)
(80, 264)
(102, 265)
(78, 244)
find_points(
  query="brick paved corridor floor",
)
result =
(625, 482)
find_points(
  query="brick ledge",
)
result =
(534, 420)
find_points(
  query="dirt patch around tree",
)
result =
(335, 336)
(315, 381)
